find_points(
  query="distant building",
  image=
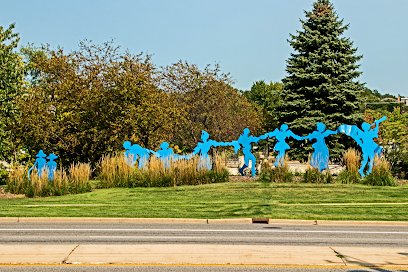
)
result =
(403, 100)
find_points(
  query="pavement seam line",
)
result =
(339, 255)
(72, 251)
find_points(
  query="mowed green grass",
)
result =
(226, 200)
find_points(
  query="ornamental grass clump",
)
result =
(381, 174)
(38, 185)
(351, 162)
(16, 182)
(313, 175)
(79, 176)
(60, 183)
(76, 181)
(280, 174)
(116, 172)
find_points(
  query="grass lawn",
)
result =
(225, 200)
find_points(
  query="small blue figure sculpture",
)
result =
(245, 141)
(165, 154)
(136, 153)
(130, 159)
(39, 164)
(365, 139)
(320, 156)
(204, 147)
(52, 166)
(281, 146)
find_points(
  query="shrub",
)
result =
(276, 174)
(397, 156)
(3, 175)
(381, 174)
(351, 161)
(313, 175)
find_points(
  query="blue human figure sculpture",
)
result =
(365, 139)
(39, 164)
(136, 153)
(281, 146)
(320, 156)
(52, 166)
(130, 158)
(245, 141)
(165, 154)
(204, 147)
(142, 153)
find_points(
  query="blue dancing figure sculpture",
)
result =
(204, 147)
(51, 166)
(281, 146)
(39, 164)
(365, 139)
(245, 141)
(129, 157)
(136, 153)
(165, 154)
(320, 156)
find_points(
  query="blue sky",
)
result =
(247, 38)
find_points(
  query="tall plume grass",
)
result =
(76, 181)
(351, 162)
(381, 174)
(115, 172)
(16, 181)
(79, 175)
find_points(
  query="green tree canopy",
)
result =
(267, 97)
(321, 82)
(84, 104)
(11, 82)
(210, 103)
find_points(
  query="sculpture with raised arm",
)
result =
(166, 154)
(281, 146)
(136, 153)
(320, 156)
(204, 147)
(245, 141)
(365, 139)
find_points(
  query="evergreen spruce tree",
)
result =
(321, 84)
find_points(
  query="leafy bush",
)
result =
(381, 174)
(313, 175)
(398, 159)
(3, 175)
(277, 174)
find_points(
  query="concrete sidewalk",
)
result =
(204, 254)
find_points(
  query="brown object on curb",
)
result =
(260, 220)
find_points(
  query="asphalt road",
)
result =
(230, 234)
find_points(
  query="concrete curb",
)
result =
(195, 221)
